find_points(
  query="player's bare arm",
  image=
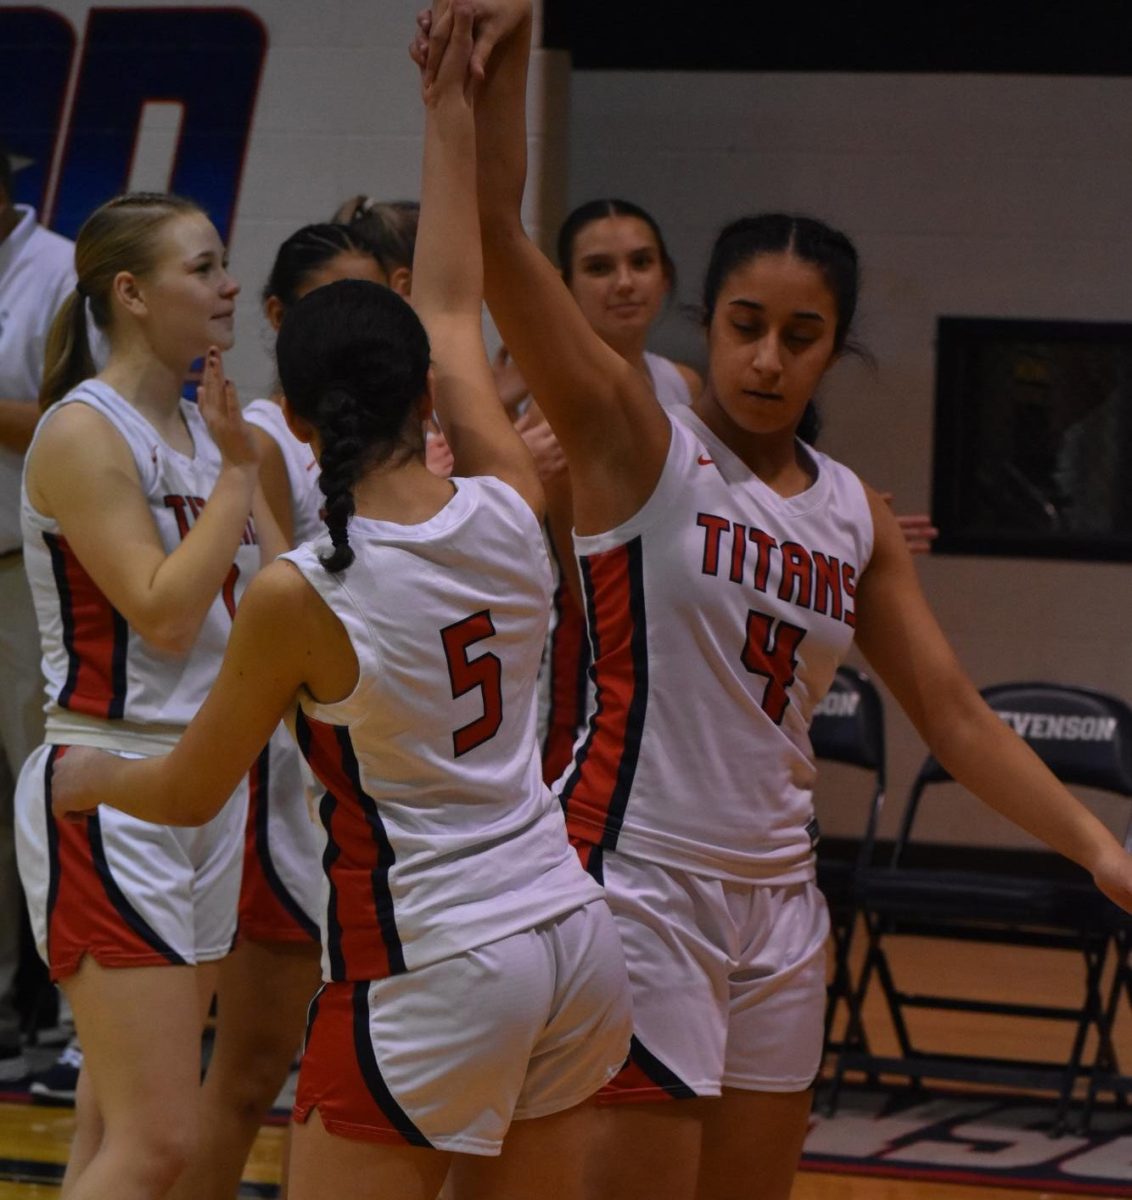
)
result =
(283, 638)
(901, 638)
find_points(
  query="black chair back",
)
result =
(1083, 736)
(848, 727)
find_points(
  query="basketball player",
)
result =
(726, 569)
(268, 980)
(473, 972)
(135, 582)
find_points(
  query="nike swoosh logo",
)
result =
(704, 461)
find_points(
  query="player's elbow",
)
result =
(168, 633)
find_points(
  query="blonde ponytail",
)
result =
(68, 360)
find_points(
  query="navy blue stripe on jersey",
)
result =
(596, 793)
(581, 683)
(664, 1077)
(635, 726)
(117, 897)
(118, 658)
(382, 895)
(96, 638)
(261, 779)
(361, 929)
(67, 615)
(330, 855)
(54, 870)
(371, 1072)
(583, 751)
(576, 658)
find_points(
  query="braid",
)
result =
(343, 460)
(353, 361)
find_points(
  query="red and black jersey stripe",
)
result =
(257, 850)
(95, 636)
(362, 937)
(568, 662)
(596, 792)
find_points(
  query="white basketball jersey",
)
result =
(440, 834)
(717, 615)
(669, 385)
(565, 693)
(94, 664)
(302, 469)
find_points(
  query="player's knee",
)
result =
(263, 1068)
(155, 1153)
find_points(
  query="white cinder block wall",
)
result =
(338, 113)
(967, 195)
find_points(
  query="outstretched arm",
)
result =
(283, 638)
(614, 434)
(448, 279)
(900, 637)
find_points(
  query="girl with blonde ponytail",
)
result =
(475, 993)
(138, 540)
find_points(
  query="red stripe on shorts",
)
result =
(87, 913)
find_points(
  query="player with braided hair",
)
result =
(277, 951)
(475, 992)
(727, 568)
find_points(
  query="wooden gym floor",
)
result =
(41, 1135)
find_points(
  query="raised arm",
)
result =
(901, 639)
(448, 280)
(613, 432)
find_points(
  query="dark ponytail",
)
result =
(306, 251)
(353, 361)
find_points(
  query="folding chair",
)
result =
(1085, 738)
(848, 727)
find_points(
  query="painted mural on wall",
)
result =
(123, 64)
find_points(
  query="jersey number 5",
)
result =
(484, 672)
(773, 652)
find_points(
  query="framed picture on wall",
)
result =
(1033, 438)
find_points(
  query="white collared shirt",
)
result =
(37, 270)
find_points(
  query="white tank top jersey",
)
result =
(96, 667)
(667, 382)
(440, 834)
(718, 615)
(565, 694)
(302, 469)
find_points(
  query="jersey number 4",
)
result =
(772, 651)
(484, 672)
